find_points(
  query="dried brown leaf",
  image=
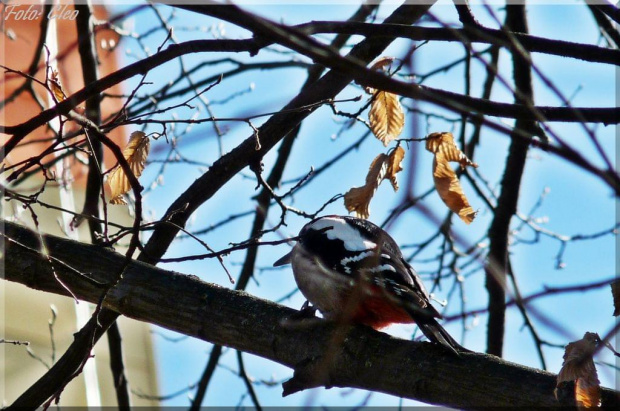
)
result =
(393, 161)
(382, 62)
(615, 292)
(54, 84)
(579, 367)
(384, 166)
(357, 199)
(446, 182)
(135, 153)
(386, 116)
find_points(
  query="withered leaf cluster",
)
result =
(135, 153)
(446, 181)
(579, 367)
(387, 120)
(384, 166)
(386, 116)
(54, 84)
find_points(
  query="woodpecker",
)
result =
(352, 270)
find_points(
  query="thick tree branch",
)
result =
(90, 74)
(533, 44)
(498, 262)
(367, 359)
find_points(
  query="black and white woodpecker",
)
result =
(351, 270)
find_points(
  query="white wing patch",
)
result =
(350, 237)
(383, 267)
(345, 261)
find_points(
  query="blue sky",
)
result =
(576, 203)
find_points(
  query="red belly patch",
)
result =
(379, 313)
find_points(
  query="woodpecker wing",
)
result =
(400, 277)
(354, 247)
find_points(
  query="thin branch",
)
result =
(173, 51)
(526, 317)
(47, 385)
(14, 342)
(605, 26)
(610, 10)
(36, 59)
(121, 387)
(545, 292)
(247, 382)
(252, 243)
(203, 384)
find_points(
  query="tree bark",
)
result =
(366, 358)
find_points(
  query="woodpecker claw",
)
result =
(302, 318)
(307, 310)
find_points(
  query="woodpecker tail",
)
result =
(437, 334)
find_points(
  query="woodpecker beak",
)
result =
(284, 260)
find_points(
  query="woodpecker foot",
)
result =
(307, 311)
(306, 316)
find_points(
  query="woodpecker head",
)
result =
(336, 237)
(350, 245)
